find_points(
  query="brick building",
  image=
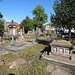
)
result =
(9, 30)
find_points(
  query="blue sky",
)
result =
(17, 10)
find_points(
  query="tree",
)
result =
(64, 14)
(1, 0)
(1, 15)
(1, 25)
(39, 16)
(27, 24)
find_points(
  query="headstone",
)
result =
(5, 32)
(21, 32)
(21, 37)
(61, 48)
(18, 44)
(0, 39)
(33, 31)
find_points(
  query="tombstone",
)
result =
(20, 32)
(12, 31)
(45, 32)
(61, 48)
(33, 32)
(5, 32)
(12, 28)
(18, 44)
(21, 35)
(0, 39)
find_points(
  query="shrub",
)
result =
(72, 41)
(72, 71)
(41, 34)
(52, 32)
(48, 33)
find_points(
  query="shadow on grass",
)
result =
(73, 52)
(11, 74)
(46, 49)
(44, 42)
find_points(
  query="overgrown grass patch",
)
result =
(33, 65)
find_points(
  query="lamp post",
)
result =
(12, 26)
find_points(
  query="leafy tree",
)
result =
(39, 16)
(1, 15)
(1, 25)
(1, 0)
(64, 14)
(27, 24)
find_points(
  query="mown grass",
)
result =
(33, 65)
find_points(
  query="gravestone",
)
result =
(18, 44)
(0, 39)
(61, 48)
(21, 37)
(5, 33)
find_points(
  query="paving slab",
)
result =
(57, 70)
(61, 71)
(64, 62)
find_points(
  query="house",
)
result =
(61, 48)
(49, 28)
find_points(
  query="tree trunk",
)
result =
(69, 32)
(61, 34)
(56, 30)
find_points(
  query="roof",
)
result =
(62, 43)
(8, 23)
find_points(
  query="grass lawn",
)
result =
(33, 65)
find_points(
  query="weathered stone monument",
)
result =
(61, 48)
(21, 35)
(12, 31)
(0, 39)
